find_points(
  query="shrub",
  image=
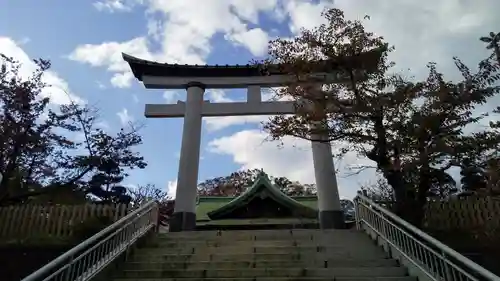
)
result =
(91, 226)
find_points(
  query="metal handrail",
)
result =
(436, 260)
(88, 258)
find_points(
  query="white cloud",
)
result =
(250, 149)
(184, 29)
(428, 30)
(109, 55)
(122, 80)
(217, 95)
(190, 24)
(172, 96)
(114, 5)
(219, 123)
(248, 10)
(255, 40)
(305, 14)
(125, 117)
(58, 92)
(171, 188)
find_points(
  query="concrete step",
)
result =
(309, 263)
(173, 243)
(332, 252)
(265, 255)
(405, 278)
(213, 233)
(150, 256)
(250, 238)
(236, 232)
(252, 249)
(269, 272)
(262, 235)
(362, 247)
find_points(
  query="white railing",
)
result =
(428, 258)
(88, 258)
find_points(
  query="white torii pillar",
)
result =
(330, 212)
(184, 217)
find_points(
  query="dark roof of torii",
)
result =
(367, 60)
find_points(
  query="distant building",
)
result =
(261, 205)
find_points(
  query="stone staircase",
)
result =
(341, 255)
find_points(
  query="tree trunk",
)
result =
(409, 206)
(410, 209)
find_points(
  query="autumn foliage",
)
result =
(237, 182)
(414, 131)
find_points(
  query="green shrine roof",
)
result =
(209, 207)
(211, 203)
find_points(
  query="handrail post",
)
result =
(356, 213)
(429, 256)
(69, 269)
(448, 274)
(128, 233)
(128, 228)
(155, 218)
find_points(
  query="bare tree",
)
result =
(144, 193)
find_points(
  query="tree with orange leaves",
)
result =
(412, 131)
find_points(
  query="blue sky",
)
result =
(84, 40)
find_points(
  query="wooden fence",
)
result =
(35, 221)
(467, 213)
(32, 221)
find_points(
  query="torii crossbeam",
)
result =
(195, 79)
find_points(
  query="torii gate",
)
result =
(195, 79)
